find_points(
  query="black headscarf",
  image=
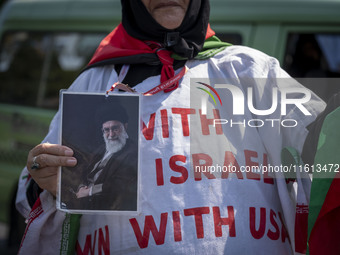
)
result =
(187, 40)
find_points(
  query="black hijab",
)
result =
(187, 40)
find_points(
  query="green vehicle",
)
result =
(44, 44)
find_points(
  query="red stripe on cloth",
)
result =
(332, 200)
(36, 211)
(324, 238)
(301, 228)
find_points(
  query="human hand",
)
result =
(83, 192)
(47, 158)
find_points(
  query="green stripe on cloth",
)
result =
(70, 232)
(327, 156)
(211, 47)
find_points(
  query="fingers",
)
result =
(43, 162)
(48, 160)
(83, 192)
(51, 155)
(46, 172)
(52, 149)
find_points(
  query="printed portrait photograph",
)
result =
(102, 130)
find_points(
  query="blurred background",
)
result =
(44, 44)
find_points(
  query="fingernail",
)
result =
(68, 152)
(71, 161)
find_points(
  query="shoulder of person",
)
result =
(95, 79)
(244, 53)
(249, 61)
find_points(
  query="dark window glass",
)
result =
(234, 39)
(315, 55)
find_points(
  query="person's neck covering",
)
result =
(140, 39)
(186, 40)
(119, 47)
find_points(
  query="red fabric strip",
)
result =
(35, 213)
(326, 231)
(167, 83)
(120, 44)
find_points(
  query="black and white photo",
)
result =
(103, 132)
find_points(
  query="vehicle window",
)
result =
(35, 66)
(235, 39)
(313, 55)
